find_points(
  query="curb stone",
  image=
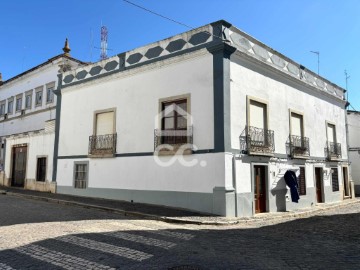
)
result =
(252, 220)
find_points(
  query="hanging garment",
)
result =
(292, 183)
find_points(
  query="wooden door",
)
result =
(260, 189)
(19, 155)
(318, 172)
(346, 182)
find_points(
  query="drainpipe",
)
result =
(234, 183)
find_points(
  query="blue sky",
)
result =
(34, 31)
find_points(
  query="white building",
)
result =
(27, 114)
(353, 120)
(208, 120)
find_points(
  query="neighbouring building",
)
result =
(27, 123)
(208, 120)
(353, 120)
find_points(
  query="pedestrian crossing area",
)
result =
(105, 250)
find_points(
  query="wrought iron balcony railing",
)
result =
(257, 141)
(299, 146)
(102, 144)
(173, 137)
(333, 150)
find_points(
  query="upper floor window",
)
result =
(175, 124)
(333, 148)
(331, 133)
(50, 92)
(10, 106)
(2, 107)
(257, 139)
(18, 103)
(28, 99)
(299, 144)
(103, 140)
(38, 96)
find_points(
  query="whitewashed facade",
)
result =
(27, 126)
(248, 113)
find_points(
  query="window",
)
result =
(10, 106)
(2, 107)
(103, 140)
(80, 174)
(296, 124)
(174, 122)
(331, 133)
(302, 182)
(257, 115)
(335, 179)
(50, 92)
(41, 169)
(333, 148)
(38, 96)
(18, 103)
(28, 99)
(258, 139)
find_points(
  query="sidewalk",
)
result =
(169, 214)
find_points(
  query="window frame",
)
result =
(335, 186)
(113, 110)
(38, 90)
(291, 112)
(3, 105)
(28, 93)
(18, 97)
(302, 192)
(10, 100)
(250, 99)
(86, 178)
(37, 168)
(189, 122)
(327, 135)
(51, 87)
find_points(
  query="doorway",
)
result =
(19, 156)
(260, 188)
(346, 182)
(319, 186)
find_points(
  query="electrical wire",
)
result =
(157, 14)
(172, 20)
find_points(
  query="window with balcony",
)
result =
(176, 129)
(299, 144)
(332, 149)
(257, 139)
(103, 141)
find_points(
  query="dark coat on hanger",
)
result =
(292, 183)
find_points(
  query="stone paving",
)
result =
(42, 235)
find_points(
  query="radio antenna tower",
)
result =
(104, 38)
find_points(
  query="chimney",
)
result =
(1, 81)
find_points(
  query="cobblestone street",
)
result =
(43, 235)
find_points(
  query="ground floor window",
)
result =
(335, 179)
(41, 169)
(80, 174)
(302, 182)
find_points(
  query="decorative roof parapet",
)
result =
(252, 47)
(198, 38)
(145, 54)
